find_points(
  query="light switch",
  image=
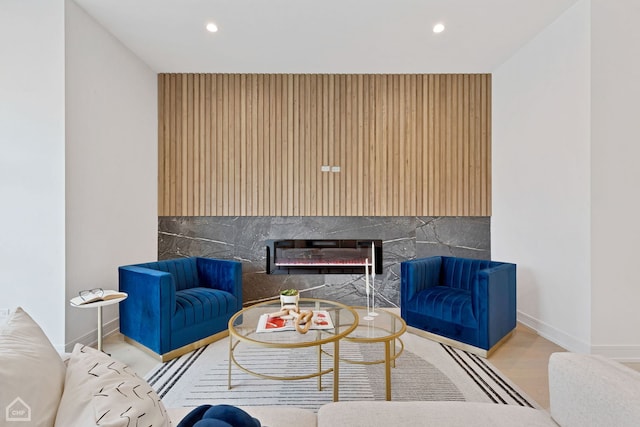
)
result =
(325, 168)
(335, 168)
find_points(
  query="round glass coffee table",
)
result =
(248, 327)
(385, 327)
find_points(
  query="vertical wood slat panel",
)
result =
(254, 144)
(382, 166)
(189, 159)
(260, 149)
(169, 124)
(234, 116)
(253, 183)
(200, 181)
(163, 156)
(486, 124)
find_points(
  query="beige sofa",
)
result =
(584, 391)
(38, 387)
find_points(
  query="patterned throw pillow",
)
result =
(31, 373)
(101, 391)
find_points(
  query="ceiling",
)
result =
(324, 36)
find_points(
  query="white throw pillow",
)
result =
(101, 391)
(31, 373)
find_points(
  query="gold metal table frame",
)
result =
(385, 328)
(242, 329)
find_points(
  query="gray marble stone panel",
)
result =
(244, 239)
(466, 237)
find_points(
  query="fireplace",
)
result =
(322, 256)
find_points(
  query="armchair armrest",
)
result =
(494, 301)
(225, 275)
(146, 314)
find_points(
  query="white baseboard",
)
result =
(91, 338)
(554, 335)
(620, 353)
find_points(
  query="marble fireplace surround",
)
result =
(245, 239)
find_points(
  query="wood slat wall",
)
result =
(254, 144)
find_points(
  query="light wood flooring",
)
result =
(524, 359)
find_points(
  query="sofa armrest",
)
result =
(146, 314)
(588, 390)
(222, 274)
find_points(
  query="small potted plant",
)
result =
(289, 297)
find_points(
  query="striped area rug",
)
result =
(425, 371)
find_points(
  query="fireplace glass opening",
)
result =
(322, 256)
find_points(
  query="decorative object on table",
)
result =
(289, 297)
(373, 280)
(367, 288)
(294, 319)
(177, 305)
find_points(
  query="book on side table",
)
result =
(91, 297)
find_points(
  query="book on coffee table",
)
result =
(269, 323)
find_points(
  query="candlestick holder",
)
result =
(368, 290)
(372, 312)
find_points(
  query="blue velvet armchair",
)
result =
(468, 301)
(175, 303)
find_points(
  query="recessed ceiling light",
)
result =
(211, 27)
(438, 28)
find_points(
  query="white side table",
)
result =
(99, 305)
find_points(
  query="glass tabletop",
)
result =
(381, 327)
(252, 324)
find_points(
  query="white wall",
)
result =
(615, 178)
(111, 169)
(541, 177)
(32, 247)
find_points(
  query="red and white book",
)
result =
(269, 323)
